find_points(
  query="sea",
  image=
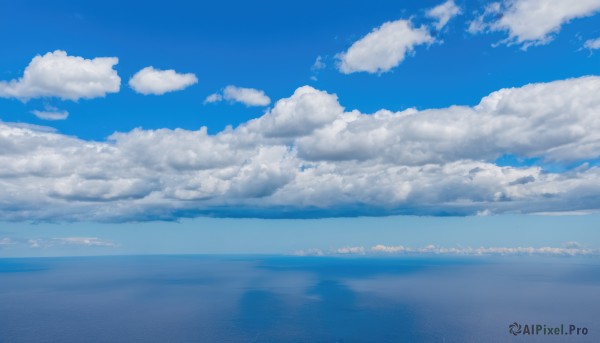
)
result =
(197, 298)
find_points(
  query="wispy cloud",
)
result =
(443, 13)
(531, 22)
(71, 242)
(569, 249)
(592, 44)
(6, 241)
(51, 113)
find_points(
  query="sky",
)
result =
(124, 125)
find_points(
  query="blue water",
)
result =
(294, 299)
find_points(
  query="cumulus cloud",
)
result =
(246, 96)
(158, 82)
(443, 13)
(531, 22)
(57, 74)
(383, 48)
(306, 110)
(51, 113)
(309, 157)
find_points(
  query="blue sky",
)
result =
(390, 108)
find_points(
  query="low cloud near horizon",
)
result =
(568, 249)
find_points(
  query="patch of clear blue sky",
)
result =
(262, 236)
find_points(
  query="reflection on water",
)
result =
(293, 299)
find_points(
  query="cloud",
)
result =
(443, 13)
(56, 74)
(319, 64)
(384, 48)
(316, 67)
(309, 252)
(531, 22)
(570, 249)
(158, 82)
(6, 241)
(573, 249)
(306, 110)
(592, 44)
(215, 97)
(307, 156)
(51, 113)
(246, 96)
(350, 251)
(71, 242)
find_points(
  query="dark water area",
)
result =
(295, 299)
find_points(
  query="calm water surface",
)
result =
(294, 299)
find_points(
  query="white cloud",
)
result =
(246, 96)
(531, 22)
(319, 64)
(71, 242)
(568, 249)
(215, 97)
(350, 251)
(309, 252)
(158, 82)
(380, 248)
(308, 156)
(51, 113)
(383, 48)
(5, 241)
(56, 74)
(86, 241)
(572, 249)
(592, 44)
(306, 110)
(316, 67)
(443, 13)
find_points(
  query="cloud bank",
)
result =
(307, 156)
(59, 75)
(383, 250)
(531, 22)
(158, 82)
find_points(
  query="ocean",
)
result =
(195, 298)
